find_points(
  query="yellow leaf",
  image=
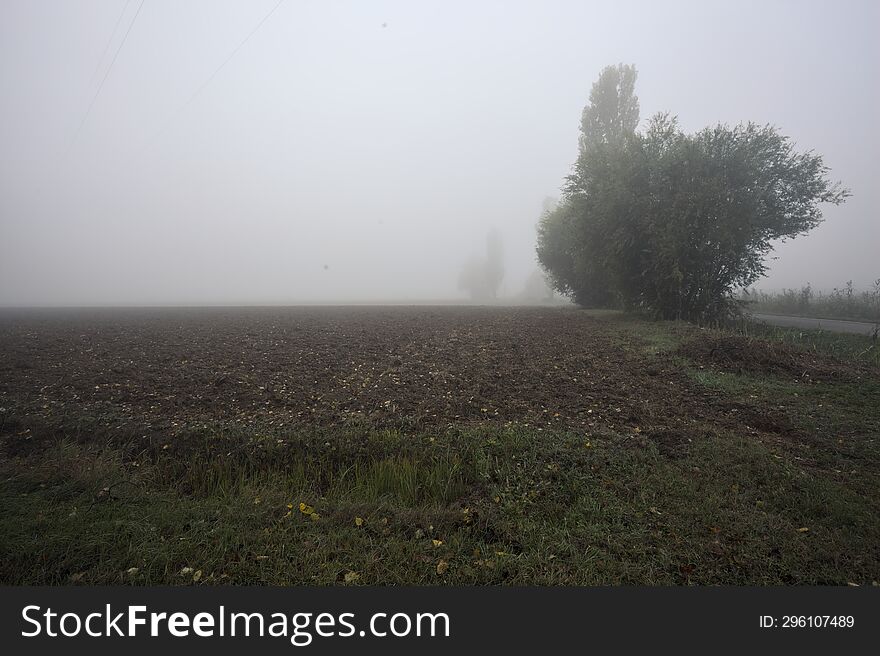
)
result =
(197, 576)
(358, 521)
(803, 529)
(306, 509)
(351, 577)
(315, 516)
(437, 543)
(442, 566)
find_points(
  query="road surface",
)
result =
(808, 323)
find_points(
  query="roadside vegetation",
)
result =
(844, 302)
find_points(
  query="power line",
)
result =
(217, 70)
(109, 41)
(103, 80)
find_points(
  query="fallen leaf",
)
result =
(351, 577)
(358, 521)
(437, 543)
(442, 566)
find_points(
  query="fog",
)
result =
(362, 151)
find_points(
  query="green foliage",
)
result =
(673, 223)
(563, 252)
(613, 113)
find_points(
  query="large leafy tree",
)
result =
(674, 223)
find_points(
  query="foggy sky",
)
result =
(336, 159)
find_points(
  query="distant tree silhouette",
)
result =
(482, 276)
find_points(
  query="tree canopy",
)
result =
(669, 222)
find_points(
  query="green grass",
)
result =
(844, 346)
(506, 506)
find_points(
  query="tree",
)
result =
(494, 261)
(613, 112)
(564, 252)
(571, 241)
(482, 276)
(672, 223)
(715, 202)
(607, 123)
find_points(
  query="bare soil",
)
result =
(151, 374)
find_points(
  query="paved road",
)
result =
(807, 323)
